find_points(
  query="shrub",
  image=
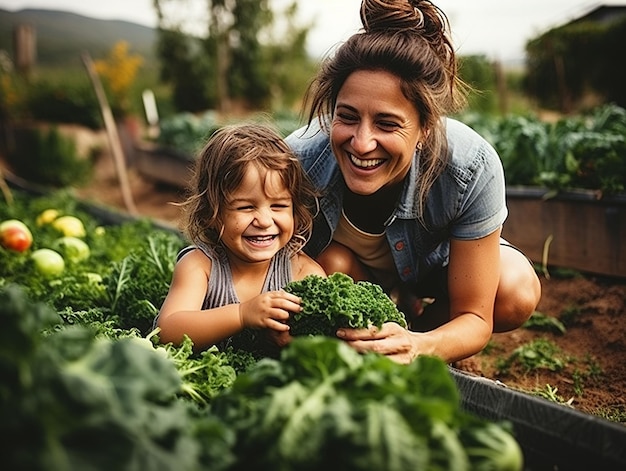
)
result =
(48, 158)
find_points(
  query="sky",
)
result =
(498, 29)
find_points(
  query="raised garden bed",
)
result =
(572, 229)
(163, 164)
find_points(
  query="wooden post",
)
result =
(114, 139)
(25, 44)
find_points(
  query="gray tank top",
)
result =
(221, 291)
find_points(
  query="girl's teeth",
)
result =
(261, 238)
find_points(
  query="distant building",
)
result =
(602, 14)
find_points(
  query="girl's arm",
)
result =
(181, 312)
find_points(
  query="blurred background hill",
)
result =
(63, 36)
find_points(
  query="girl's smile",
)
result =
(258, 219)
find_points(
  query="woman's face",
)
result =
(374, 131)
(258, 217)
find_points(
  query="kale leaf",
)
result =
(329, 303)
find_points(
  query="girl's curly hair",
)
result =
(220, 169)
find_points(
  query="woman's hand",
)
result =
(391, 340)
(269, 310)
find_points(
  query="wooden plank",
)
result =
(583, 234)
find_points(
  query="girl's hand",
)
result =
(280, 339)
(269, 310)
(391, 340)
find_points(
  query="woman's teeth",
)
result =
(369, 163)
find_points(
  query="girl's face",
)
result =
(374, 131)
(258, 217)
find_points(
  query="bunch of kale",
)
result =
(336, 301)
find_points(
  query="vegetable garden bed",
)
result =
(552, 436)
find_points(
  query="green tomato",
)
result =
(73, 249)
(47, 216)
(48, 262)
(69, 226)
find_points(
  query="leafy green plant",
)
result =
(551, 394)
(329, 303)
(570, 314)
(323, 405)
(539, 353)
(70, 399)
(64, 99)
(539, 321)
(583, 151)
(187, 132)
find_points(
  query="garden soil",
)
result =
(587, 368)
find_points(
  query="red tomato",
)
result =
(15, 235)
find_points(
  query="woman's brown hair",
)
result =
(410, 39)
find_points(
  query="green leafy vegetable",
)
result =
(329, 303)
(70, 400)
(325, 406)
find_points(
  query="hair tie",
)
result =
(418, 12)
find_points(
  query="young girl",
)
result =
(247, 217)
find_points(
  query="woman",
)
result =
(411, 199)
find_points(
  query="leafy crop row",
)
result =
(586, 151)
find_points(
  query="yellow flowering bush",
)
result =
(118, 72)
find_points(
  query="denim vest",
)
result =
(467, 201)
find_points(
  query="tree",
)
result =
(235, 58)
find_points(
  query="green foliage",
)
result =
(64, 100)
(239, 60)
(329, 303)
(47, 157)
(187, 133)
(478, 72)
(126, 276)
(540, 353)
(137, 285)
(187, 70)
(567, 63)
(323, 405)
(539, 321)
(583, 151)
(70, 400)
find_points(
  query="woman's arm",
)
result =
(473, 275)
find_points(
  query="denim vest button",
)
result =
(399, 245)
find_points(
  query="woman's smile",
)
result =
(374, 131)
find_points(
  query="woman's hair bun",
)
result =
(391, 15)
